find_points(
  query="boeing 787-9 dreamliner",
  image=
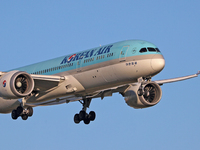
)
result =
(125, 67)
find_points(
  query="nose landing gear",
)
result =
(83, 116)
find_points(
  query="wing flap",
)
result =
(56, 101)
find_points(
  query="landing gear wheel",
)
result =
(92, 115)
(87, 120)
(82, 115)
(19, 110)
(76, 118)
(14, 114)
(24, 117)
(30, 111)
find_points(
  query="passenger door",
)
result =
(123, 53)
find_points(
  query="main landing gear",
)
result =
(83, 115)
(24, 113)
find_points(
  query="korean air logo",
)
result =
(70, 58)
(4, 83)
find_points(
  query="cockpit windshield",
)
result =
(157, 50)
(149, 49)
(143, 50)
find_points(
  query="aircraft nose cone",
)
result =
(157, 63)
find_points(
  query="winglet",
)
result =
(198, 72)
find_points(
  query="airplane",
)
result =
(125, 67)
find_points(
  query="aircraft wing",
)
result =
(161, 82)
(45, 82)
(72, 98)
(42, 80)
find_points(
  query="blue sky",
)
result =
(33, 31)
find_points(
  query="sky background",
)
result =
(34, 31)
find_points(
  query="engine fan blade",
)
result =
(21, 84)
(150, 93)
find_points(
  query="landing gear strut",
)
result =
(141, 90)
(24, 113)
(83, 115)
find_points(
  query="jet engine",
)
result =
(147, 95)
(16, 84)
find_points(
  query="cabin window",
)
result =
(143, 50)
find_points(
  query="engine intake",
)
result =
(149, 96)
(16, 84)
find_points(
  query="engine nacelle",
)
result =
(150, 96)
(16, 84)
